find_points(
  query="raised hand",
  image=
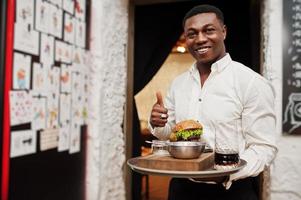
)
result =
(159, 112)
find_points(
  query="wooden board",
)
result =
(166, 162)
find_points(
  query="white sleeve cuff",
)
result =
(151, 128)
(159, 132)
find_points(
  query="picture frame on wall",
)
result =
(25, 12)
(68, 6)
(42, 16)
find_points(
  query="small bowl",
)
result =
(186, 149)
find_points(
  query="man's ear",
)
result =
(225, 31)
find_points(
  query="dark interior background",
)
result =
(157, 28)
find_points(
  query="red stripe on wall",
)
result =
(7, 86)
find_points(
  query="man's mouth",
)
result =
(202, 50)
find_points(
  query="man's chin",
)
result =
(206, 60)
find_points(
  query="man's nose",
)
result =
(201, 38)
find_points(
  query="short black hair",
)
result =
(204, 8)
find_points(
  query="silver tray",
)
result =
(210, 173)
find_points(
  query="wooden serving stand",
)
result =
(166, 162)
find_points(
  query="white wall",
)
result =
(106, 144)
(286, 170)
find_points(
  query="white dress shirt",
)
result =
(231, 92)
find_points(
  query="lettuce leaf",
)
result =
(185, 134)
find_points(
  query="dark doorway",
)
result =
(157, 27)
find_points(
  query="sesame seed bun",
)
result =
(187, 125)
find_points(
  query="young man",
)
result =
(216, 88)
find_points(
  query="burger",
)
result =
(187, 130)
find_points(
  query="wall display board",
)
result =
(44, 143)
(291, 66)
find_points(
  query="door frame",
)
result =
(128, 119)
(2, 64)
(7, 30)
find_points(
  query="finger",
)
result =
(163, 116)
(159, 115)
(159, 109)
(159, 122)
(159, 99)
(161, 125)
(158, 118)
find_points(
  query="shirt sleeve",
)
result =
(259, 128)
(163, 132)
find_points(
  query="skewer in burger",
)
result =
(187, 130)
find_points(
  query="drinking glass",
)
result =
(226, 154)
(159, 147)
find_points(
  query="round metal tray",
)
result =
(134, 164)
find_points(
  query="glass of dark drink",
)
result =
(226, 153)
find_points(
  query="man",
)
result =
(216, 88)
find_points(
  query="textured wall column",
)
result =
(268, 71)
(106, 145)
(286, 170)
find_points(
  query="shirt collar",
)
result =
(217, 66)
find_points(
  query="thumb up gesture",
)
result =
(159, 112)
